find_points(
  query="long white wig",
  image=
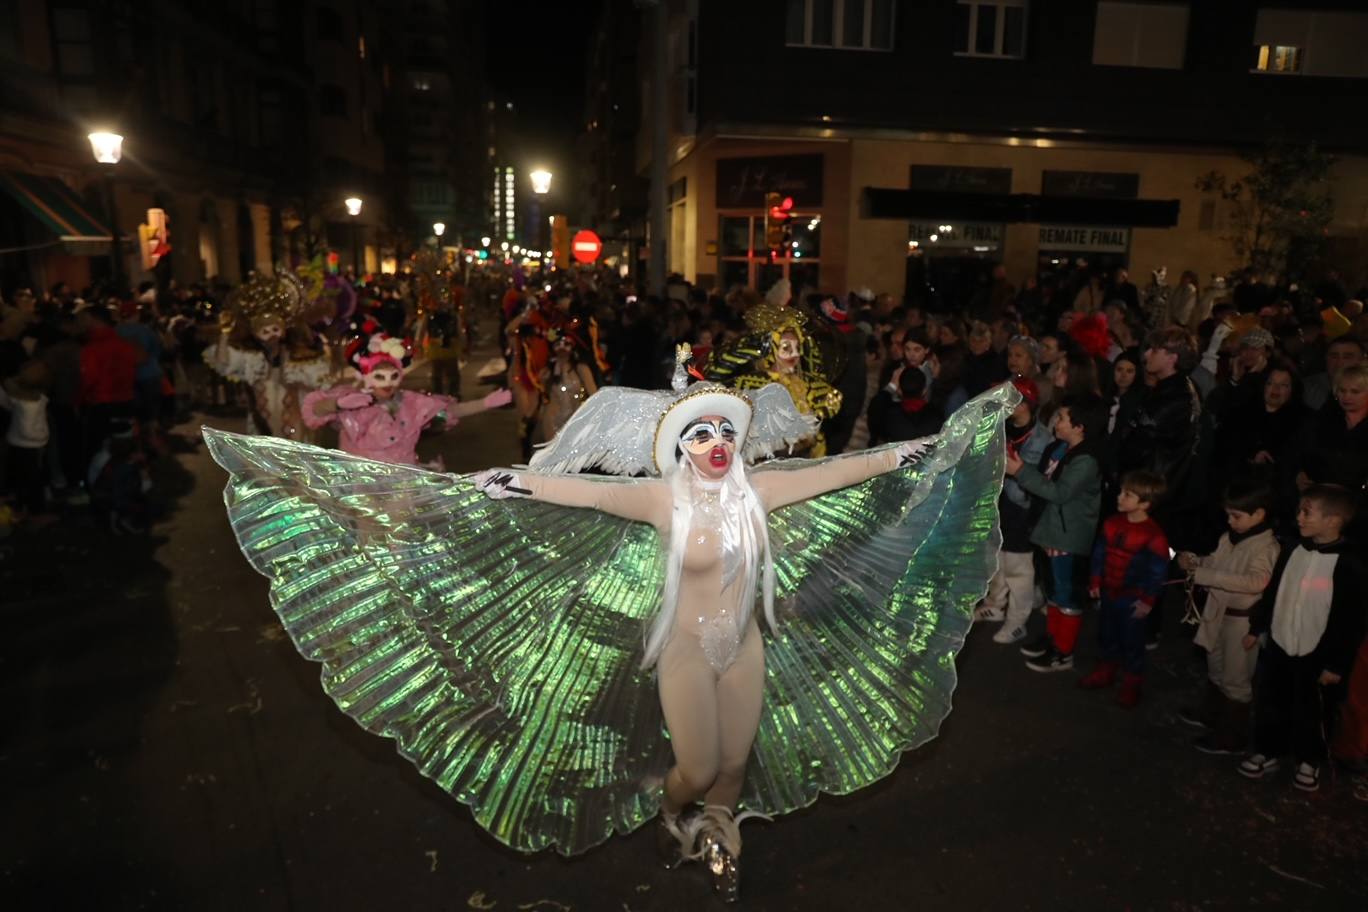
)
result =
(745, 547)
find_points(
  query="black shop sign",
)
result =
(743, 182)
(961, 179)
(1096, 184)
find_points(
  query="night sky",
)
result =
(543, 74)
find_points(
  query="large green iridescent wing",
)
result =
(876, 585)
(497, 642)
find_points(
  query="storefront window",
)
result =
(747, 260)
(949, 261)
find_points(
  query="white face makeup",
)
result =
(710, 442)
(383, 382)
(788, 351)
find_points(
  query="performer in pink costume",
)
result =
(381, 421)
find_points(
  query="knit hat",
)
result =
(1257, 338)
(1029, 389)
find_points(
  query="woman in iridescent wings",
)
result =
(576, 660)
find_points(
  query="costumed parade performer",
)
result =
(568, 381)
(261, 345)
(778, 349)
(380, 420)
(571, 655)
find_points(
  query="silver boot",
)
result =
(720, 848)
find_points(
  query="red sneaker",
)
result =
(1130, 690)
(1102, 676)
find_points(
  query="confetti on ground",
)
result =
(477, 901)
(432, 857)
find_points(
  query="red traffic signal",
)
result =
(780, 207)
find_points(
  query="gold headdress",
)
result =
(266, 299)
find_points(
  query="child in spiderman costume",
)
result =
(1129, 566)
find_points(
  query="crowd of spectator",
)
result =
(1177, 450)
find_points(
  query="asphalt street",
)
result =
(166, 748)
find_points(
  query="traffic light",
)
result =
(778, 208)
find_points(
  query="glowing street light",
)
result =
(504, 246)
(439, 228)
(484, 241)
(353, 204)
(541, 181)
(108, 147)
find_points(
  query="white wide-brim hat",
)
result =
(702, 399)
(629, 431)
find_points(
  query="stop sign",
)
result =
(585, 247)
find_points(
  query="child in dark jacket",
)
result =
(1068, 485)
(902, 409)
(1311, 618)
(1011, 591)
(1129, 565)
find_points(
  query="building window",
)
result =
(990, 28)
(332, 100)
(72, 39)
(744, 259)
(1274, 58)
(361, 46)
(422, 82)
(859, 25)
(329, 24)
(1320, 43)
(1141, 35)
(271, 112)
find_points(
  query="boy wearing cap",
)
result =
(1249, 370)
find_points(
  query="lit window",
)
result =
(990, 28)
(846, 24)
(422, 82)
(361, 46)
(1273, 58)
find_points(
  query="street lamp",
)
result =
(484, 241)
(439, 228)
(541, 181)
(353, 204)
(107, 148)
(504, 246)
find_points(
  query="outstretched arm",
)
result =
(458, 410)
(647, 501)
(781, 487)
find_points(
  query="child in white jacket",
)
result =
(27, 435)
(1234, 575)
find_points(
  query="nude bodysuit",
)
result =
(712, 669)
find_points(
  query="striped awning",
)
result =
(60, 210)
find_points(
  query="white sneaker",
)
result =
(1256, 766)
(987, 612)
(1007, 634)
(1307, 778)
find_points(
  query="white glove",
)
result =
(499, 484)
(1211, 356)
(912, 452)
(1218, 336)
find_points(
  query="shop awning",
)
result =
(60, 210)
(906, 205)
